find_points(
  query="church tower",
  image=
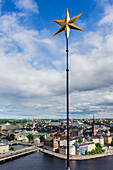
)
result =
(93, 127)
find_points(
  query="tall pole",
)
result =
(66, 25)
(67, 71)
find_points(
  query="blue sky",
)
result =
(32, 62)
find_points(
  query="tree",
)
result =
(11, 136)
(112, 143)
(42, 138)
(57, 150)
(30, 137)
(71, 135)
(93, 151)
(86, 152)
(12, 148)
(80, 140)
(98, 145)
(111, 129)
(91, 139)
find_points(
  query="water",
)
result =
(41, 161)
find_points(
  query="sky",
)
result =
(33, 63)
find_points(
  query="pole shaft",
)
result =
(67, 71)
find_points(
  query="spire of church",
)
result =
(93, 119)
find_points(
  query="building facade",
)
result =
(4, 148)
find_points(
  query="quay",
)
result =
(23, 152)
(78, 157)
(18, 153)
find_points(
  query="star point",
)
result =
(67, 24)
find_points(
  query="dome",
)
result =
(36, 139)
(25, 138)
(7, 124)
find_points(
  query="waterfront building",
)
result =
(82, 147)
(50, 144)
(63, 150)
(63, 142)
(98, 139)
(4, 148)
(72, 150)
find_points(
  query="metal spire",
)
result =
(66, 25)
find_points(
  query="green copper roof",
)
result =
(37, 139)
(72, 146)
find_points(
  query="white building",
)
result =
(99, 139)
(63, 150)
(4, 148)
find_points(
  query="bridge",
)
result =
(23, 143)
(19, 153)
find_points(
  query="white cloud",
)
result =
(29, 5)
(32, 72)
(108, 16)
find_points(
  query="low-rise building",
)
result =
(82, 147)
(63, 142)
(72, 150)
(98, 139)
(4, 148)
(63, 150)
(107, 139)
(50, 144)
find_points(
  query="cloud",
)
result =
(29, 5)
(32, 72)
(108, 16)
(31, 85)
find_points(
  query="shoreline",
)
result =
(23, 152)
(77, 157)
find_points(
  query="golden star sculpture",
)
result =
(67, 24)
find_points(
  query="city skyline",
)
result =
(32, 63)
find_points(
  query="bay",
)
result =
(41, 161)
